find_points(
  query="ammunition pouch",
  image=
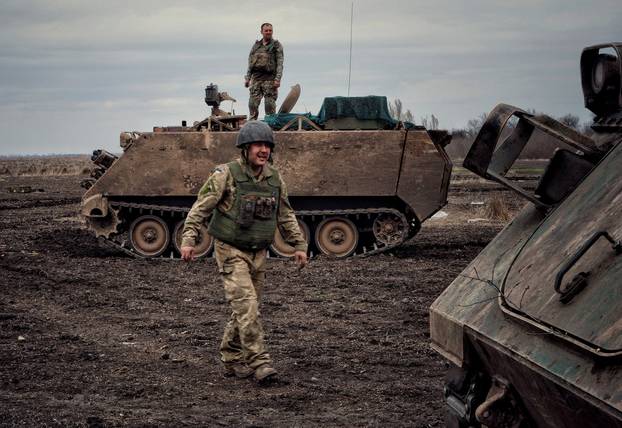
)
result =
(265, 208)
(255, 207)
(247, 212)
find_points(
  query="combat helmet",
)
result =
(255, 131)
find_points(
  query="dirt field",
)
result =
(92, 337)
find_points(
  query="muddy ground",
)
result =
(92, 337)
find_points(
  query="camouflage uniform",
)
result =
(265, 65)
(262, 89)
(243, 272)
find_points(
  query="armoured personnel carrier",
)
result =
(533, 325)
(358, 184)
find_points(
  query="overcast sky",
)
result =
(75, 73)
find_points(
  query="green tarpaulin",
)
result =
(371, 107)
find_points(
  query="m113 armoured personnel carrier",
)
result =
(359, 181)
(534, 324)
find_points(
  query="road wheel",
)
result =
(336, 237)
(204, 242)
(282, 248)
(149, 235)
(389, 229)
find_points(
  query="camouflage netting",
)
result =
(371, 107)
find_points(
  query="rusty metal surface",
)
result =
(339, 163)
(424, 175)
(313, 163)
(361, 175)
(94, 206)
(168, 164)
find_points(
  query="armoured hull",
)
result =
(533, 324)
(560, 359)
(354, 191)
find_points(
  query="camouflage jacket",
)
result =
(274, 49)
(219, 191)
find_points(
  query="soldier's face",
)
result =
(266, 32)
(258, 154)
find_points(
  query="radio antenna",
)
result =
(350, 65)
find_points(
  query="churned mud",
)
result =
(92, 337)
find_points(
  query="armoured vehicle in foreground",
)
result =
(533, 325)
(359, 184)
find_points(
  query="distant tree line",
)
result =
(474, 125)
(462, 139)
(538, 147)
(396, 109)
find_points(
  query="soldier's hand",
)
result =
(247, 83)
(277, 84)
(187, 253)
(300, 257)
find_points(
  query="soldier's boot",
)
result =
(265, 373)
(238, 370)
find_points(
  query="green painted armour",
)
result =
(251, 222)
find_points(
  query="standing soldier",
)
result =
(265, 68)
(249, 201)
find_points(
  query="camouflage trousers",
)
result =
(258, 90)
(243, 275)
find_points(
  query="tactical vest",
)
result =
(264, 60)
(251, 222)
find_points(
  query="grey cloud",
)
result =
(94, 68)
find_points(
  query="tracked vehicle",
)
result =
(533, 325)
(359, 184)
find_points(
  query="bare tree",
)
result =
(570, 120)
(474, 125)
(434, 123)
(408, 117)
(395, 109)
(429, 122)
